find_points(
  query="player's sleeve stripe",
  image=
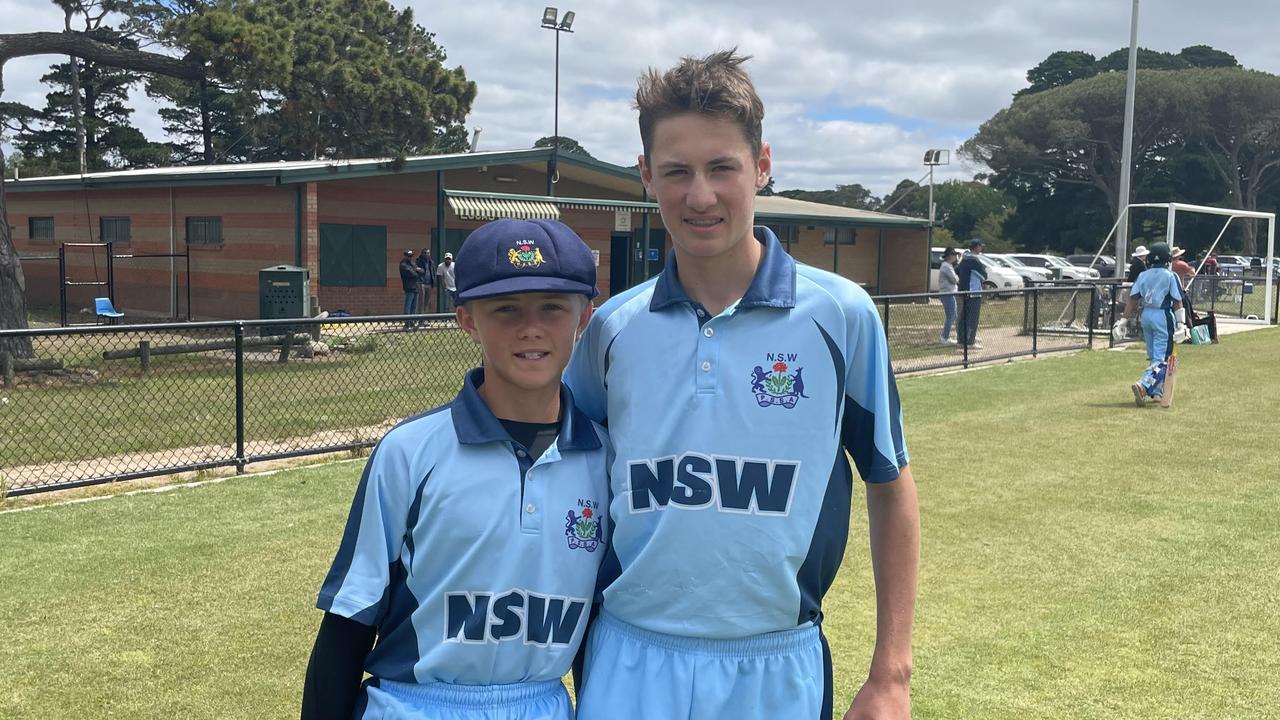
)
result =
(860, 439)
(347, 548)
(414, 511)
(837, 360)
(872, 411)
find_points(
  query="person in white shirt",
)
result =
(445, 272)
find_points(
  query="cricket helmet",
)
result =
(1160, 254)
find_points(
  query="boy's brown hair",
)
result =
(715, 86)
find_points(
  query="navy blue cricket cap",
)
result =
(504, 257)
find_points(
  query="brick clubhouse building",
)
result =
(349, 221)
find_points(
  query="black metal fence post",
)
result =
(1035, 322)
(1111, 321)
(1275, 305)
(239, 331)
(62, 285)
(1093, 312)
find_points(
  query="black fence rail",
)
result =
(89, 405)
(93, 405)
(1029, 322)
(1241, 296)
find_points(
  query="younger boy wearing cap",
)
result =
(477, 530)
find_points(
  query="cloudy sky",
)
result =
(854, 92)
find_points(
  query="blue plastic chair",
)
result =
(104, 309)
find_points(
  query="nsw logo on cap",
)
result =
(525, 254)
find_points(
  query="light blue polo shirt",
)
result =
(475, 562)
(730, 488)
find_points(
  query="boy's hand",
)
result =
(881, 700)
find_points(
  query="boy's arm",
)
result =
(894, 520)
(336, 668)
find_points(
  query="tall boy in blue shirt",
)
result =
(733, 385)
(478, 527)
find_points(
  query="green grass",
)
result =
(1082, 558)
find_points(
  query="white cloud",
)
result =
(932, 69)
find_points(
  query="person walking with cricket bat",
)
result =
(1163, 322)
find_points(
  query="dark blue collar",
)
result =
(774, 284)
(475, 423)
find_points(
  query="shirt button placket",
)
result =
(708, 354)
(531, 510)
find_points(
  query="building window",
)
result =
(40, 229)
(204, 231)
(846, 235)
(114, 230)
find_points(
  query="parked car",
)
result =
(1028, 273)
(1105, 264)
(1232, 264)
(998, 278)
(1061, 269)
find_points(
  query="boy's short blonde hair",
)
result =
(715, 86)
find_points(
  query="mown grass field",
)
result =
(1082, 558)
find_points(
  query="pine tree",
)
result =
(47, 137)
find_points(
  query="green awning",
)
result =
(492, 208)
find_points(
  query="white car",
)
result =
(1061, 269)
(998, 277)
(1028, 273)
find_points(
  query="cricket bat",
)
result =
(1170, 379)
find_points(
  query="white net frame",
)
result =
(1173, 208)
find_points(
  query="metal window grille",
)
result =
(116, 230)
(40, 229)
(204, 231)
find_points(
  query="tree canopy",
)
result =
(252, 80)
(567, 144)
(1201, 135)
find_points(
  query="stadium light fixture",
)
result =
(934, 158)
(552, 21)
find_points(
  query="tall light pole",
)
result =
(934, 158)
(1126, 153)
(551, 20)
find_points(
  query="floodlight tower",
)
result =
(934, 158)
(551, 20)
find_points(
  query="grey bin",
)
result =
(282, 293)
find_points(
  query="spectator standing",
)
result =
(948, 283)
(1137, 263)
(970, 274)
(428, 283)
(1186, 275)
(445, 273)
(410, 275)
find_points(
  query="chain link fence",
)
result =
(1241, 296)
(993, 325)
(97, 404)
